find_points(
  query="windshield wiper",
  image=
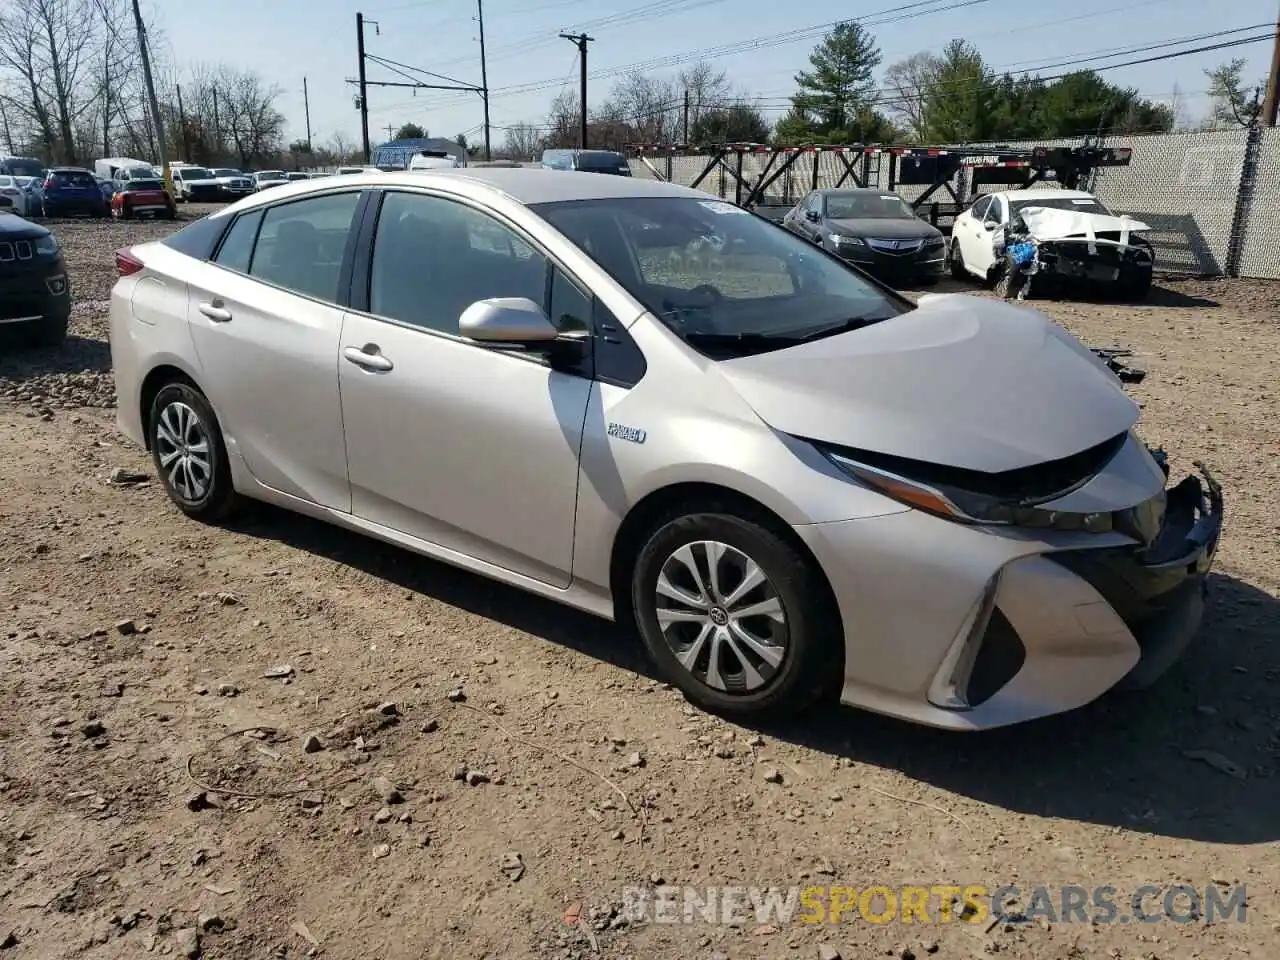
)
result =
(832, 329)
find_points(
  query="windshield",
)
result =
(144, 185)
(271, 175)
(194, 173)
(347, 170)
(728, 282)
(1078, 204)
(73, 178)
(144, 173)
(224, 172)
(602, 162)
(867, 206)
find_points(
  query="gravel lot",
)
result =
(137, 815)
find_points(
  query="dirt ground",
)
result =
(137, 816)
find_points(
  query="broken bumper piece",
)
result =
(1159, 590)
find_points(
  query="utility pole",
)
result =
(157, 121)
(580, 40)
(306, 107)
(484, 78)
(182, 124)
(364, 88)
(391, 131)
(686, 117)
(8, 134)
(1272, 100)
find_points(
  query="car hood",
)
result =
(889, 228)
(1050, 223)
(961, 381)
(13, 227)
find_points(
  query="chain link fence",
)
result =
(1212, 199)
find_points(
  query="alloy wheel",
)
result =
(184, 452)
(721, 616)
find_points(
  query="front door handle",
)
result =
(368, 357)
(215, 311)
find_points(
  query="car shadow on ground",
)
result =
(1119, 762)
(76, 355)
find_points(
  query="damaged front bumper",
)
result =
(1158, 588)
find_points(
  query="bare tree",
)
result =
(49, 45)
(707, 89)
(522, 142)
(562, 120)
(649, 107)
(906, 84)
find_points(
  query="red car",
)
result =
(143, 198)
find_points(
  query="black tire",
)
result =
(219, 499)
(812, 656)
(1135, 285)
(956, 260)
(1008, 281)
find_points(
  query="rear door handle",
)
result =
(368, 357)
(215, 311)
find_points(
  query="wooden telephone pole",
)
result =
(580, 40)
(1272, 100)
(157, 121)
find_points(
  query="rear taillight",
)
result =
(127, 263)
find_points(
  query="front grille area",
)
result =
(894, 247)
(15, 250)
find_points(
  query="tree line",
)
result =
(950, 97)
(71, 89)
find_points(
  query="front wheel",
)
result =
(735, 616)
(189, 455)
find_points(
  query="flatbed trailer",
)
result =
(952, 177)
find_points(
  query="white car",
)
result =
(14, 198)
(1070, 236)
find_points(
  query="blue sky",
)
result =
(286, 39)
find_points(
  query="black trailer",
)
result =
(960, 173)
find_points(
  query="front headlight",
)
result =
(843, 241)
(47, 245)
(933, 243)
(966, 506)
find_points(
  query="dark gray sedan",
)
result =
(874, 230)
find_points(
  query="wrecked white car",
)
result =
(1028, 241)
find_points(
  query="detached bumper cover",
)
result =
(1159, 590)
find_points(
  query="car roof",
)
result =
(525, 185)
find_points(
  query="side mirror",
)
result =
(514, 321)
(812, 216)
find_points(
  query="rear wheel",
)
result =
(735, 616)
(189, 454)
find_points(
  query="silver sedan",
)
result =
(657, 407)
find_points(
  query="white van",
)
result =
(433, 160)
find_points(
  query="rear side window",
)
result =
(236, 252)
(198, 239)
(301, 244)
